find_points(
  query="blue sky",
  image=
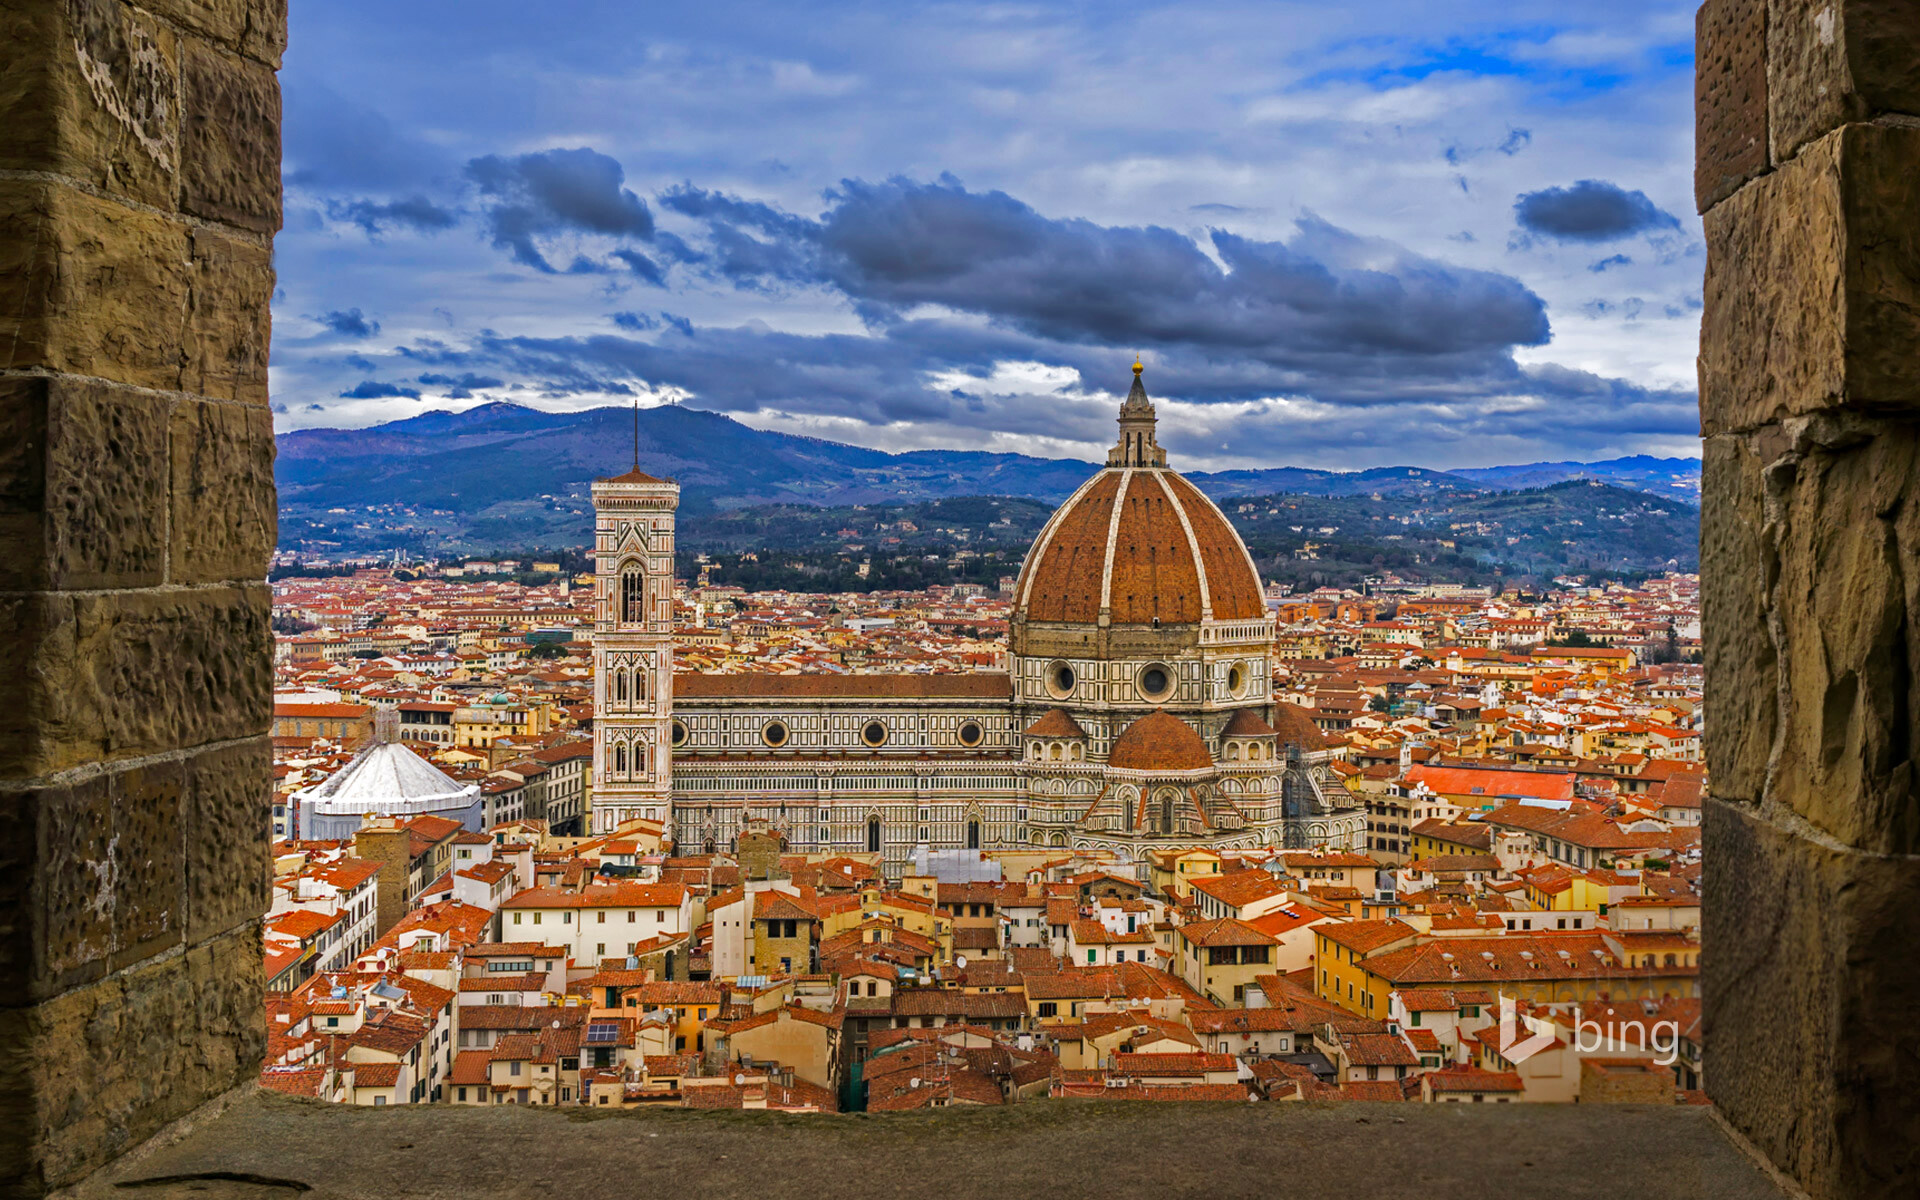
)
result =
(1341, 235)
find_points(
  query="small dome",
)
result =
(1160, 741)
(1247, 723)
(1057, 722)
(1295, 727)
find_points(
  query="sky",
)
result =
(1437, 233)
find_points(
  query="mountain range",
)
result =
(504, 459)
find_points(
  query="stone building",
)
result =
(1137, 715)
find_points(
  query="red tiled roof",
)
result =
(1160, 741)
(981, 686)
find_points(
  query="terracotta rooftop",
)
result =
(1160, 741)
(1148, 564)
(1055, 722)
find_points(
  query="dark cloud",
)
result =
(1592, 210)
(373, 389)
(1609, 262)
(1515, 141)
(1223, 210)
(374, 216)
(636, 322)
(349, 323)
(531, 197)
(463, 381)
(1306, 306)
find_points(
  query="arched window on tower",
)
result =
(873, 835)
(620, 685)
(620, 759)
(973, 835)
(1166, 811)
(633, 596)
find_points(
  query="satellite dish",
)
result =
(960, 961)
(739, 1080)
(914, 1082)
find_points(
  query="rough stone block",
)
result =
(1843, 533)
(90, 286)
(1729, 97)
(96, 98)
(82, 489)
(95, 1071)
(229, 864)
(224, 523)
(1813, 285)
(255, 28)
(224, 347)
(1834, 61)
(230, 147)
(102, 677)
(99, 881)
(1808, 974)
(1736, 572)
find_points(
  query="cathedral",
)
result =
(1137, 713)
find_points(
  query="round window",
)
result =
(679, 734)
(775, 734)
(1237, 679)
(971, 734)
(874, 734)
(1155, 682)
(1061, 678)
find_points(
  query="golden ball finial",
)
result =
(1137, 368)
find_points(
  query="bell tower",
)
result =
(632, 649)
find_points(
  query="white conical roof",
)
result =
(387, 777)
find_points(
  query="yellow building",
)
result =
(1220, 959)
(783, 935)
(1361, 963)
(478, 726)
(1172, 872)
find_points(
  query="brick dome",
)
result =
(1140, 542)
(1160, 741)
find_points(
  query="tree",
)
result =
(1575, 640)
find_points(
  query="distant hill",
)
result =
(502, 475)
(1678, 477)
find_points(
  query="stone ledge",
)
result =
(269, 1146)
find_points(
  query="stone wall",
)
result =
(1808, 175)
(139, 194)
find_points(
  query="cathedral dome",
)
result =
(1160, 741)
(1139, 543)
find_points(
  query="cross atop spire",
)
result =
(1137, 447)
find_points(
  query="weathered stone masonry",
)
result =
(1808, 176)
(139, 194)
